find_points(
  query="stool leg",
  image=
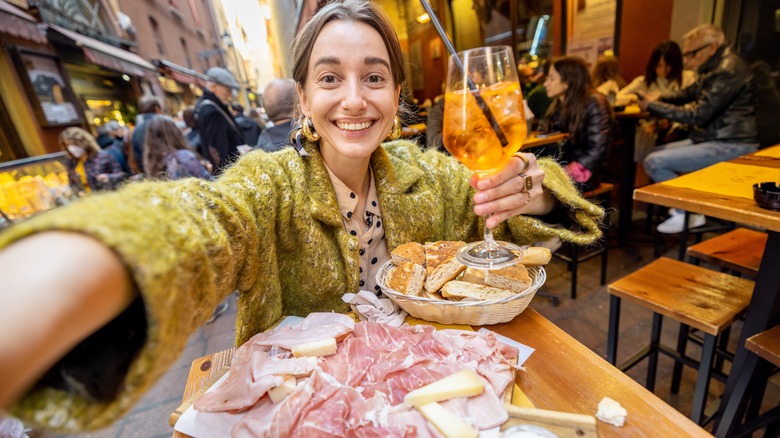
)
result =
(723, 345)
(575, 261)
(614, 324)
(655, 338)
(703, 382)
(682, 343)
(684, 238)
(604, 257)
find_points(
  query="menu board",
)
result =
(591, 28)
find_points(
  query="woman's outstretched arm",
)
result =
(57, 289)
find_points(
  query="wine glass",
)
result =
(484, 125)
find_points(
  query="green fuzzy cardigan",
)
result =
(270, 228)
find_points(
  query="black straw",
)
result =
(472, 87)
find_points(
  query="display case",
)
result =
(33, 185)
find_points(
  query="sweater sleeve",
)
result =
(187, 244)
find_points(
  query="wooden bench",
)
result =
(739, 250)
(694, 296)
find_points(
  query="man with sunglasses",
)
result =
(719, 108)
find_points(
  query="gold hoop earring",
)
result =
(395, 133)
(307, 127)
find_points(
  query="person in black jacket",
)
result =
(220, 135)
(249, 127)
(719, 108)
(148, 107)
(279, 103)
(583, 113)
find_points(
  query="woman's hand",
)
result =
(505, 194)
(102, 178)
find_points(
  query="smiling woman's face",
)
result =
(349, 93)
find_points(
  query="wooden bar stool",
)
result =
(694, 296)
(573, 255)
(765, 345)
(739, 250)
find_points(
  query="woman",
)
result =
(288, 230)
(606, 76)
(585, 115)
(664, 75)
(91, 167)
(166, 155)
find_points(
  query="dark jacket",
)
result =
(249, 128)
(138, 138)
(100, 163)
(720, 105)
(590, 144)
(219, 134)
(275, 138)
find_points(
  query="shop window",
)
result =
(157, 36)
(186, 52)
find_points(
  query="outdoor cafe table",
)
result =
(724, 191)
(561, 375)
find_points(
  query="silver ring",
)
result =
(525, 161)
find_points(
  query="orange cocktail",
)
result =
(468, 134)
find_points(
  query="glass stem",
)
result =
(489, 244)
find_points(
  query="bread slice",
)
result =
(407, 278)
(439, 252)
(459, 290)
(536, 255)
(409, 252)
(443, 273)
(514, 278)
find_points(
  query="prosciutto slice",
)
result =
(359, 391)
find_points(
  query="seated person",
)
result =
(719, 108)
(606, 77)
(665, 75)
(583, 113)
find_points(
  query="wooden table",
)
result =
(561, 375)
(534, 141)
(764, 309)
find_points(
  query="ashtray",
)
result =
(767, 195)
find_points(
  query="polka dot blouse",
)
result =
(365, 226)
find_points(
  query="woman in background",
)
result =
(583, 113)
(664, 74)
(91, 167)
(606, 77)
(167, 155)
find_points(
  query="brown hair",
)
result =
(149, 104)
(574, 73)
(78, 137)
(353, 11)
(607, 68)
(162, 138)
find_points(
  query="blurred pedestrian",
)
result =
(167, 155)
(90, 167)
(220, 135)
(191, 128)
(249, 127)
(279, 103)
(148, 107)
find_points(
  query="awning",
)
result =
(109, 56)
(180, 74)
(15, 22)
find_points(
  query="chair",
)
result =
(739, 251)
(765, 345)
(695, 297)
(571, 253)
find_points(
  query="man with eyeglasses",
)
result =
(719, 108)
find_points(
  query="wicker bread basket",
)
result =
(464, 312)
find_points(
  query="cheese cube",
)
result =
(448, 423)
(464, 383)
(280, 392)
(319, 348)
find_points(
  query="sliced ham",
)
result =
(315, 327)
